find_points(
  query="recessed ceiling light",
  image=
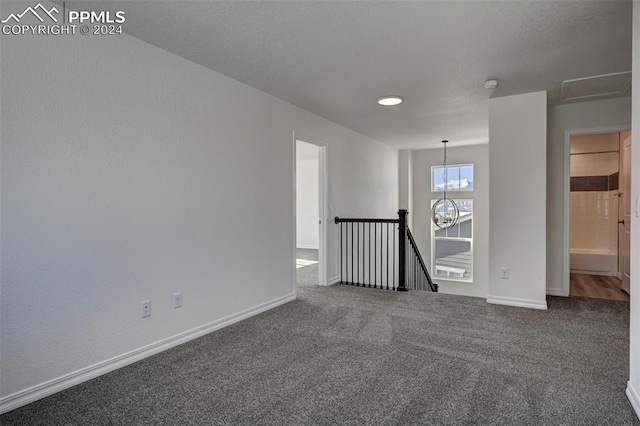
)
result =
(491, 84)
(390, 101)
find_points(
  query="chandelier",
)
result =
(445, 212)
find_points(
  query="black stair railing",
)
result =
(376, 253)
(418, 277)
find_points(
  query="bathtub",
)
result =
(593, 262)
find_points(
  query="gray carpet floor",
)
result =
(345, 355)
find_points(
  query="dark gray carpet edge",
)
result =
(354, 356)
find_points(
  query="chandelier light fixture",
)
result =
(445, 212)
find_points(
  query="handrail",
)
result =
(433, 286)
(351, 220)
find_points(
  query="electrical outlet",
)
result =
(504, 273)
(177, 300)
(145, 309)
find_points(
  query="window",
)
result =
(458, 177)
(452, 248)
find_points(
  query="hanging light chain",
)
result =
(446, 184)
(446, 171)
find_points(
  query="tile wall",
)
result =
(594, 207)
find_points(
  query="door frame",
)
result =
(626, 227)
(323, 186)
(567, 192)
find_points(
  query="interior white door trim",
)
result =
(624, 215)
(323, 180)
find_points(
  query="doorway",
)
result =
(310, 178)
(597, 181)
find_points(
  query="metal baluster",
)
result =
(408, 267)
(346, 248)
(359, 277)
(357, 253)
(375, 252)
(415, 267)
(351, 253)
(341, 280)
(393, 274)
(406, 261)
(362, 280)
(387, 226)
(410, 282)
(369, 254)
(410, 263)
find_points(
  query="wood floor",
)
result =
(597, 287)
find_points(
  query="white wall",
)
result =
(129, 173)
(633, 387)
(405, 183)
(517, 195)
(307, 193)
(561, 118)
(478, 155)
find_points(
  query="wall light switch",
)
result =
(504, 273)
(177, 300)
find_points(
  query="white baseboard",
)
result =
(634, 398)
(555, 292)
(521, 303)
(308, 246)
(590, 272)
(334, 280)
(24, 397)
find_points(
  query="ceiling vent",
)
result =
(596, 87)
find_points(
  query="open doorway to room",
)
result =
(598, 202)
(310, 177)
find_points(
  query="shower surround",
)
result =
(593, 217)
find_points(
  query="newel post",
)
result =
(402, 246)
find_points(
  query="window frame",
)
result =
(464, 195)
(433, 188)
(434, 228)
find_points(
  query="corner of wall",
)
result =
(518, 192)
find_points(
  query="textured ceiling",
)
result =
(335, 58)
